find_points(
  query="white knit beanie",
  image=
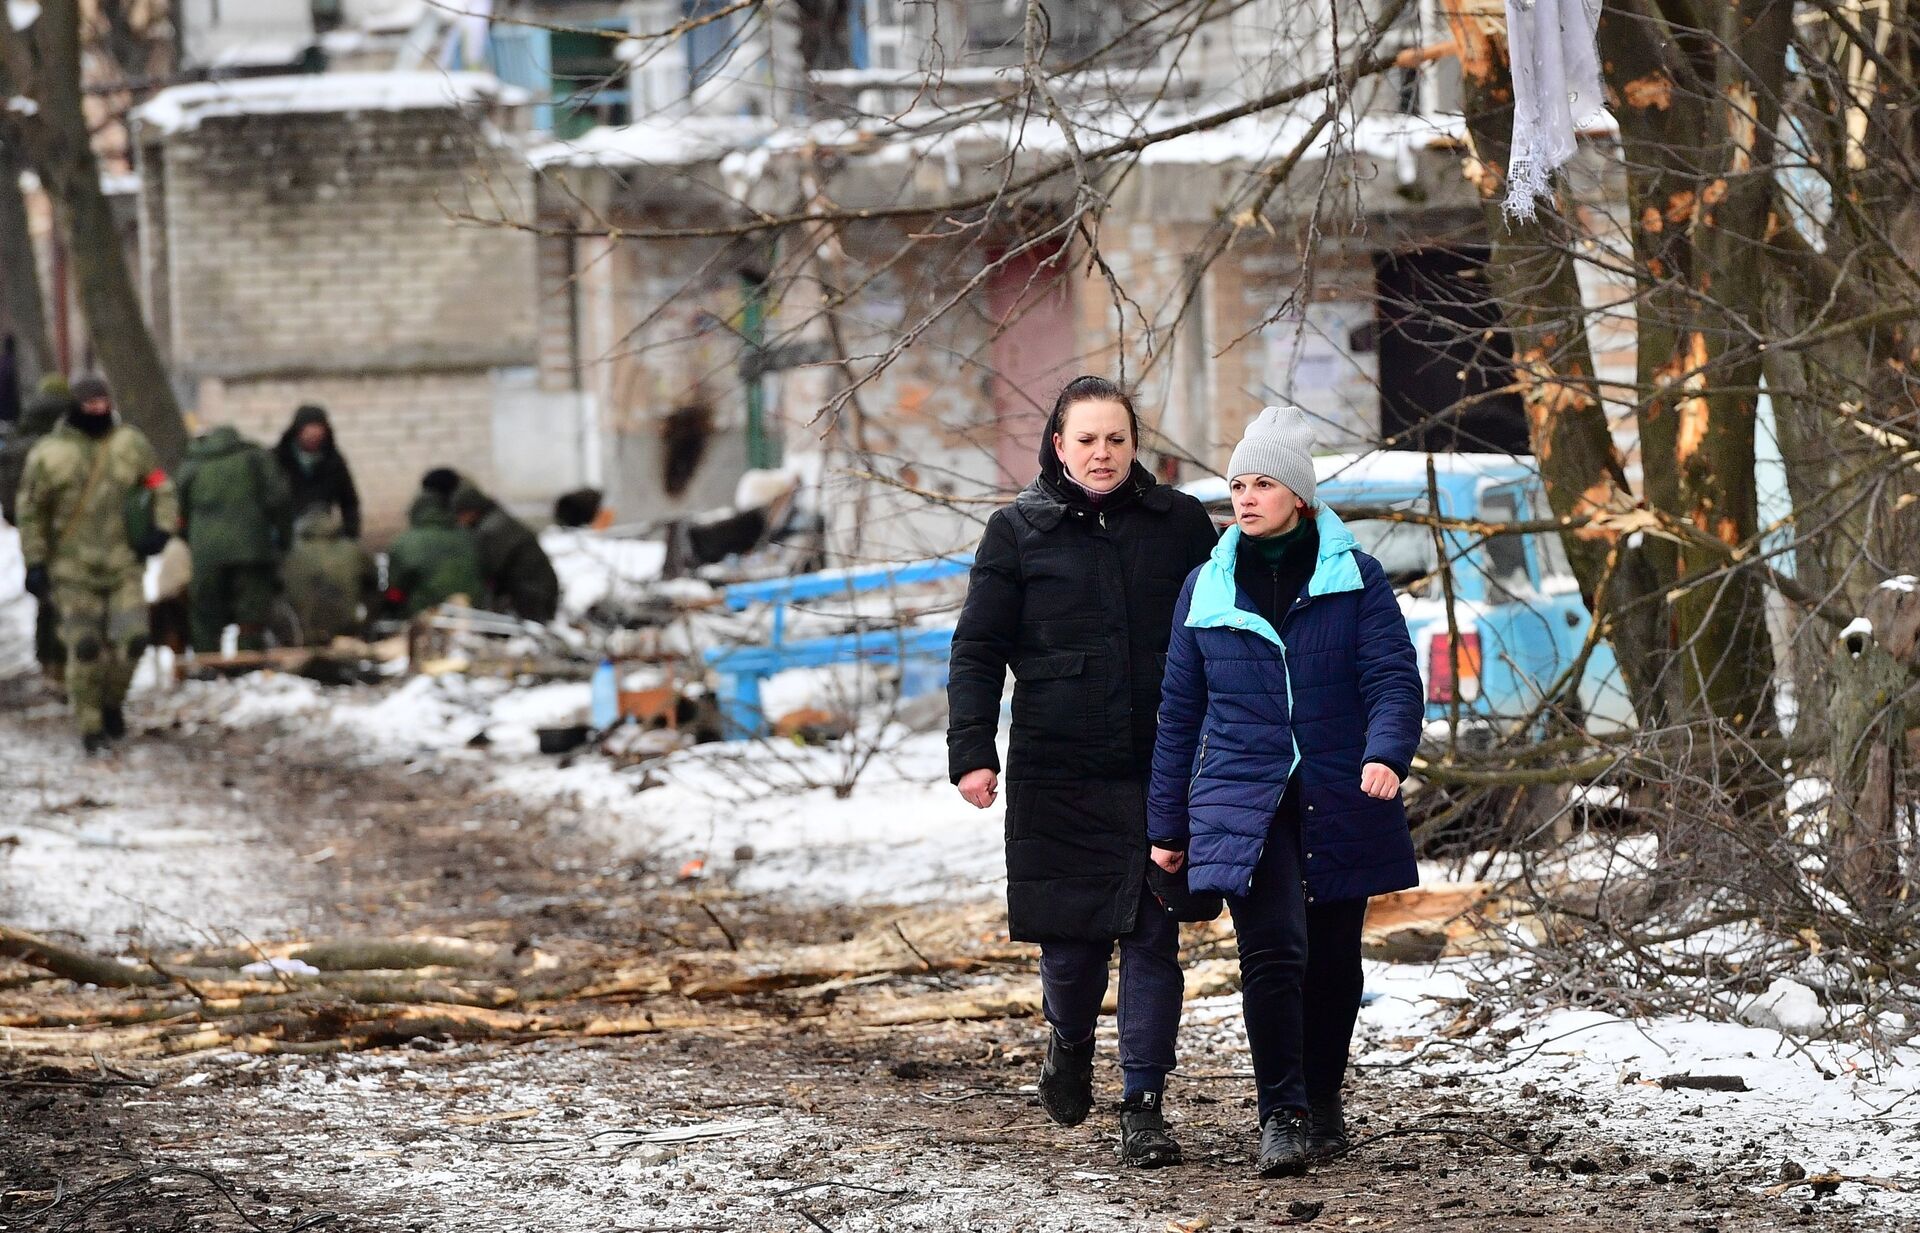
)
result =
(1278, 443)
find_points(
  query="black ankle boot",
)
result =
(1283, 1145)
(1066, 1080)
(1144, 1141)
(113, 722)
(1326, 1130)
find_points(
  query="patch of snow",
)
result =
(180, 109)
(595, 568)
(655, 142)
(21, 105)
(151, 853)
(1788, 1007)
(900, 835)
(1817, 1104)
(1860, 626)
(23, 13)
(1901, 582)
(290, 967)
(17, 608)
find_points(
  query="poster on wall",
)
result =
(1323, 361)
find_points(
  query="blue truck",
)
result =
(1517, 608)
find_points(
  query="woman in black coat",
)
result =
(1073, 587)
(316, 470)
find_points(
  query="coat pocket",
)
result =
(1050, 667)
(1051, 708)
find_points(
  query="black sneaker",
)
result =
(113, 722)
(1326, 1130)
(1283, 1145)
(1066, 1080)
(1144, 1141)
(93, 743)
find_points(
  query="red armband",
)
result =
(155, 478)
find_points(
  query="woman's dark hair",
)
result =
(1090, 389)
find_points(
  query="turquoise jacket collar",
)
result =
(1215, 603)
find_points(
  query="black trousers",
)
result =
(1300, 974)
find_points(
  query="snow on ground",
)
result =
(1825, 1106)
(16, 607)
(594, 568)
(900, 834)
(169, 864)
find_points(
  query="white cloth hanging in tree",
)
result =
(1556, 92)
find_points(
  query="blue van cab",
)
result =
(1517, 607)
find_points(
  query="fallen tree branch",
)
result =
(75, 965)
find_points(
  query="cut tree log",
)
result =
(74, 965)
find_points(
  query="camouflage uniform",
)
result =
(239, 519)
(518, 575)
(77, 530)
(328, 579)
(49, 404)
(431, 561)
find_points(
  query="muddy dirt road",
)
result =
(790, 1104)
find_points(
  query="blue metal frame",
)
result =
(742, 669)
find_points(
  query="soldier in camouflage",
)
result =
(50, 404)
(94, 504)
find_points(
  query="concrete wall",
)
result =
(391, 426)
(317, 257)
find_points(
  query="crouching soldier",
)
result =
(328, 578)
(518, 576)
(94, 504)
(432, 561)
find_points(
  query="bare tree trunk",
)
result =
(45, 66)
(23, 308)
(1697, 106)
(1536, 280)
(1872, 690)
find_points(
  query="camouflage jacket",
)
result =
(79, 530)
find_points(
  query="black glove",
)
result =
(38, 584)
(152, 542)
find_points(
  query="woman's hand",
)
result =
(979, 787)
(1379, 781)
(1168, 859)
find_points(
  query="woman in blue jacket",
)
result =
(1290, 713)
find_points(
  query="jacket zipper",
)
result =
(1199, 766)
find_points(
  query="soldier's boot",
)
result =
(113, 722)
(252, 638)
(86, 684)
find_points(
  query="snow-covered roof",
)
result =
(934, 132)
(1264, 137)
(657, 142)
(180, 109)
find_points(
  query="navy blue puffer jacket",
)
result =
(1245, 708)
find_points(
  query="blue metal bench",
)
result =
(742, 669)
